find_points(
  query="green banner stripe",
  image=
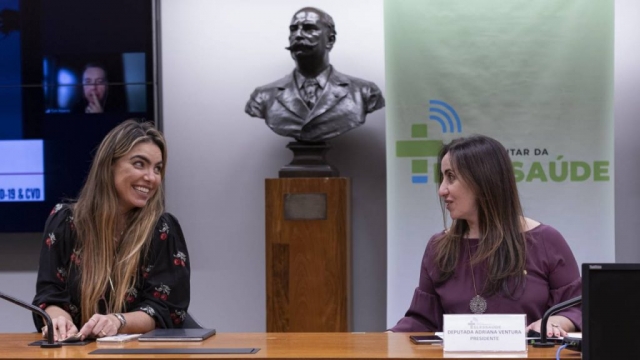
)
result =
(418, 148)
(419, 131)
(419, 166)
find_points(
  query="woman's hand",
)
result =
(63, 327)
(100, 326)
(557, 326)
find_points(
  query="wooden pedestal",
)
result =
(308, 239)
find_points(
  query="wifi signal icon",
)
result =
(444, 114)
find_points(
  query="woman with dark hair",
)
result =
(491, 259)
(114, 261)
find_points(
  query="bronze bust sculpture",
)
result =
(315, 102)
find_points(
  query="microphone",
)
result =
(50, 343)
(545, 318)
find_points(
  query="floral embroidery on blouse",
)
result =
(179, 259)
(59, 276)
(132, 294)
(149, 310)
(50, 240)
(146, 270)
(162, 292)
(178, 316)
(56, 209)
(164, 231)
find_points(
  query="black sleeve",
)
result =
(56, 255)
(166, 272)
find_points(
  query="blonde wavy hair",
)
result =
(106, 263)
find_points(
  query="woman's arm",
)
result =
(136, 322)
(564, 281)
(56, 256)
(425, 311)
(165, 291)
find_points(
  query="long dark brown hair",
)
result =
(95, 218)
(484, 165)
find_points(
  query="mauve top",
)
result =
(552, 277)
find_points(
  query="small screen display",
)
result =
(70, 70)
(610, 311)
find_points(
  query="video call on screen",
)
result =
(70, 70)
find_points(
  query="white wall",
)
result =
(19, 254)
(215, 174)
(627, 130)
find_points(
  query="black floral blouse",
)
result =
(162, 288)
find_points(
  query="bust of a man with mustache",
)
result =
(315, 102)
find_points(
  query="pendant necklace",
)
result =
(478, 304)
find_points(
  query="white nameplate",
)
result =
(485, 333)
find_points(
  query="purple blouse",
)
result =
(552, 277)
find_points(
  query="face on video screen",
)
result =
(94, 84)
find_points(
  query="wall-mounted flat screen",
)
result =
(70, 70)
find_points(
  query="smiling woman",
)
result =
(114, 262)
(137, 176)
(491, 259)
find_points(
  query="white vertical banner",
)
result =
(535, 75)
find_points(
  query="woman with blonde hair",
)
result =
(491, 259)
(114, 261)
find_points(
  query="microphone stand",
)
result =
(50, 343)
(545, 318)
